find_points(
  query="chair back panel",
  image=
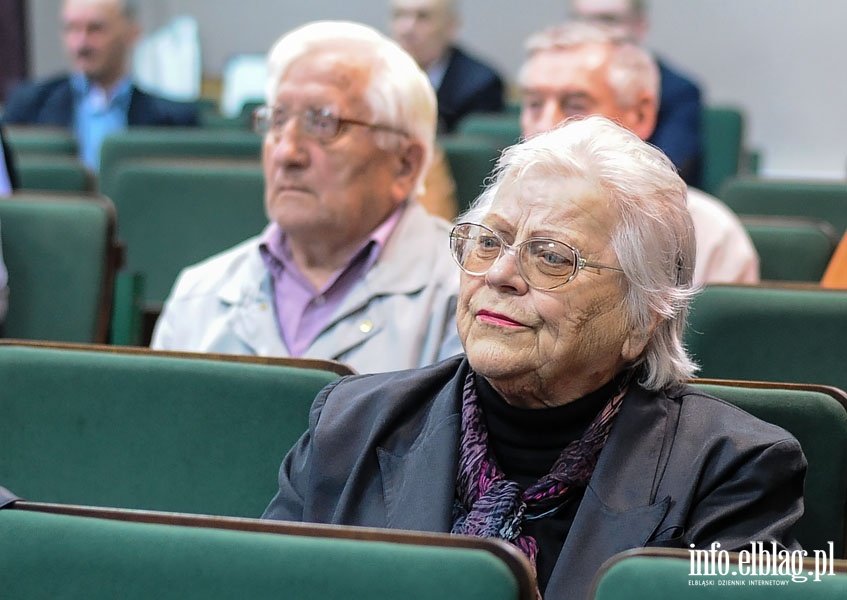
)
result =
(666, 574)
(47, 555)
(149, 430)
(174, 213)
(791, 248)
(791, 198)
(769, 333)
(60, 252)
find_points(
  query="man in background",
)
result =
(678, 130)
(583, 68)
(98, 98)
(427, 30)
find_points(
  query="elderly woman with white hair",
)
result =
(566, 428)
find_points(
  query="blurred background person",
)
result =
(351, 267)
(98, 97)
(678, 131)
(427, 30)
(581, 68)
(8, 182)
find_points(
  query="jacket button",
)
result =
(366, 326)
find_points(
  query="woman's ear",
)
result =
(634, 344)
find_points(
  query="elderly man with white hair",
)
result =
(351, 267)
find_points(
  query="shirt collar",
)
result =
(84, 88)
(273, 244)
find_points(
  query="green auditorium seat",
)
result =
(173, 213)
(40, 139)
(53, 172)
(135, 428)
(671, 574)
(173, 142)
(471, 160)
(791, 248)
(826, 200)
(503, 129)
(69, 552)
(817, 416)
(770, 333)
(61, 254)
(723, 145)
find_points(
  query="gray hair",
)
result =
(399, 93)
(654, 240)
(631, 70)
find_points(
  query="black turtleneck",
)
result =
(526, 442)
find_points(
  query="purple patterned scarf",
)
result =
(489, 505)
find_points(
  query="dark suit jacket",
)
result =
(468, 86)
(679, 468)
(679, 130)
(50, 102)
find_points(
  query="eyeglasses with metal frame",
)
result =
(321, 124)
(545, 264)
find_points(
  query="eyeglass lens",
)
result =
(543, 263)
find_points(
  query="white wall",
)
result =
(783, 61)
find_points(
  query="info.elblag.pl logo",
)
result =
(762, 565)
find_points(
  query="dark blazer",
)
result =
(50, 102)
(679, 129)
(679, 468)
(468, 86)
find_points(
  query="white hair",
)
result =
(399, 93)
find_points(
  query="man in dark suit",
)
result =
(99, 98)
(426, 29)
(678, 129)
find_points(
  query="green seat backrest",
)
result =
(173, 142)
(819, 422)
(471, 161)
(791, 248)
(45, 555)
(58, 253)
(792, 198)
(38, 139)
(723, 142)
(502, 129)
(172, 214)
(149, 431)
(53, 172)
(763, 333)
(648, 574)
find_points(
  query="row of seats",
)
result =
(139, 429)
(52, 551)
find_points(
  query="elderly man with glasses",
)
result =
(351, 267)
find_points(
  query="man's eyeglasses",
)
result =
(321, 124)
(543, 263)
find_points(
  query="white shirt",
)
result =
(725, 252)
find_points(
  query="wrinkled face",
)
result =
(98, 38)
(342, 188)
(531, 344)
(616, 14)
(561, 83)
(424, 28)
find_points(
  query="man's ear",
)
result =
(641, 117)
(408, 164)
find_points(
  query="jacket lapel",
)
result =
(619, 510)
(422, 503)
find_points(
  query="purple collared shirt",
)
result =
(302, 311)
